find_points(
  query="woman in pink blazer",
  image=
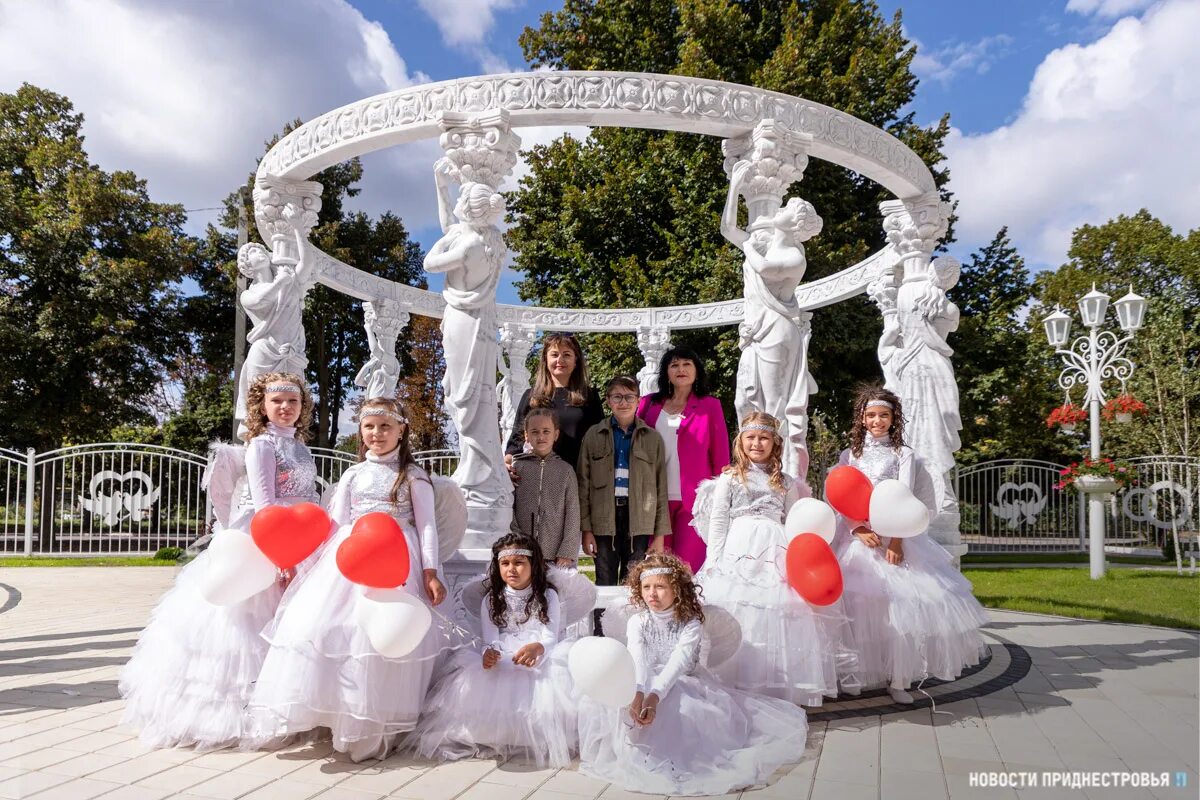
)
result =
(692, 426)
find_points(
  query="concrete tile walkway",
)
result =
(1090, 697)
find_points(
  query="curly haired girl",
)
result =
(654, 748)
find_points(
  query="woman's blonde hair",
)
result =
(407, 464)
(741, 459)
(688, 595)
(256, 414)
(543, 387)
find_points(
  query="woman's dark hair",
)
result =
(858, 431)
(542, 395)
(665, 390)
(537, 604)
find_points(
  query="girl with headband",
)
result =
(912, 611)
(790, 649)
(516, 698)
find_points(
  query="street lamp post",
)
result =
(1090, 361)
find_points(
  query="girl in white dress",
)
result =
(321, 669)
(195, 663)
(684, 733)
(516, 698)
(790, 649)
(912, 611)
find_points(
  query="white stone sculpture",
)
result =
(913, 352)
(773, 372)
(384, 320)
(653, 341)
(479, 153)
(516, 340)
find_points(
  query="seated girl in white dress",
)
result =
(322, 670)
(195, 663)
(683, 733)
(911, 609)
(514, 698)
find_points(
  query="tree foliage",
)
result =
(631, 218)
(89, 268)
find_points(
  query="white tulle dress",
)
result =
(790, 649)
(917, 619)
(509, 711)
(321, 670)
(705, 739)
(193, 668)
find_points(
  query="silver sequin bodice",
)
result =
(755, 497)
(295, 470)
(660, 636)
(879, 460)
(371, 490)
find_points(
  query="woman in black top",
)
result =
(561, 384)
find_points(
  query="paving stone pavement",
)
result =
(1057, 695)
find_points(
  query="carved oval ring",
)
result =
(601, 99)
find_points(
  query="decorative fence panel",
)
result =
(1012, 505)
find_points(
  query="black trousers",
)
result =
(615, 555)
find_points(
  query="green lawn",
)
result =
(98, 561)
(1059, 558)
(1124, 595)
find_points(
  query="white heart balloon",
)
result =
(394, 620)
(235, 569)
(896, 512)
(810, 515)
(603, 670)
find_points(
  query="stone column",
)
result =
(481, 150)
(383, 319)
(516, 340)
(653, 341)
(914, 354)
(286, 212)
(773, 371)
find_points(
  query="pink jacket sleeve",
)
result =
(718, 435)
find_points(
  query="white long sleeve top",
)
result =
(367, 487)
(518, 631)
(664, 649)
(754, 498)
(279, 468)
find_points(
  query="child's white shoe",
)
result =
(900, 696)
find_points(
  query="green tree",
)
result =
(89, 270)
(1142, 252)
(631, 218)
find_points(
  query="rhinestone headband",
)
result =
(879, 404)
(382, 412)
(758, 426)
(283, 387)
(514, 551)
(657, 571)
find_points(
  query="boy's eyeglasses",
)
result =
(622, 398)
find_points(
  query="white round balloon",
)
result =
(235, 569)
(896, 512)
(603, 670)
(394, 620)
(810, 515)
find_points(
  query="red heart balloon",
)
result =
(289, 534)
(848, 490)
(375, 553)
(813, 570)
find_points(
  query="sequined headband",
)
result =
(657, 571)
(382, 412)
(758, 426)
(878, 404)
(282, 387)
(514, 551)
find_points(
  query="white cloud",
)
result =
(946, 62)
(464, 22)
(1105, 129)
(1107, 8)
(185, 94)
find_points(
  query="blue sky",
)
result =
(1064, 112)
